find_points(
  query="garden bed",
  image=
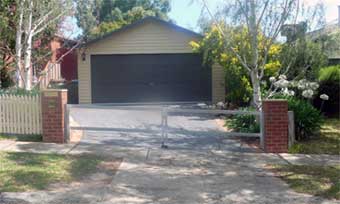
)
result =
(22, 138)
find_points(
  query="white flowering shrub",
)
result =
(308, 93)
(307, 88)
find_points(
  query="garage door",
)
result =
(149, 78)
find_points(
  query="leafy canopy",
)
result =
(214, 49)
(330, 74)
(98, 17)
(7, 41)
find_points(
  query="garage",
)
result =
(148, 61)
(149, 78)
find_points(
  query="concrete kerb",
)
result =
(141, 154)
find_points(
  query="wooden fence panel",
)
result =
(20, 114)
(52, 72)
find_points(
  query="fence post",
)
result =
(262, 130)
(164, 127)
(67, 123)
(53, 115)
(275, 126)
(291, 128)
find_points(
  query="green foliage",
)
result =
(20, 92)
(24, 138)
(5, 76)
(331, 43)
(97, 17)
(330, 74)
(273, 66)
(307, 119)
(7, 27)
(304, 57)
(238, 87)
(7, 42)
(244, 123)
(41, 40)
(214, 49)
(329, 78)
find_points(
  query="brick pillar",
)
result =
(275, 120)
(53, 112)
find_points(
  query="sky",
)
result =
(186, 13)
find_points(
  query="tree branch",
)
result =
(262, 13)
(223, 34)
(42, 20)
(35, 32)
(244, 12)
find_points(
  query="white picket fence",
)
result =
(20, 114)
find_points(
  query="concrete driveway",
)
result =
(141, 129)
(200, 165)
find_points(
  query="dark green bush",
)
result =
(330, 74)
(329, 78)
(237, 86)
(244, 123)
(308, 119)
(19, 92)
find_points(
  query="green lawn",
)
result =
(321, 181)
(327, 143)
(26, 138)
(30, 171)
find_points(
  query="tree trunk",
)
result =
(28, 49)
(255, 79)
(18, 47)
(256, 90)
(28, 67)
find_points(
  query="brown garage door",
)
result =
(149, 78)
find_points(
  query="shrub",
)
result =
(330, 74)
(244, 123)
(19, 92)
(329, 78)
(238, 87)
(307, 119)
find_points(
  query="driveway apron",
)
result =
(199, 166)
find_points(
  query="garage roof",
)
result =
(144, 20)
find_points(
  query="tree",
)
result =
(7, 41)
(306, 59)
(34, 17)
(238, 86)
(259, 18)
(97, 17)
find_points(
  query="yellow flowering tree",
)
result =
(238, 83)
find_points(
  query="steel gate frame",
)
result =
(165, 109)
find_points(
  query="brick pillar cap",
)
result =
(274, 100)
(61, 90)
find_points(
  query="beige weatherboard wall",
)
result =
(149, 37)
